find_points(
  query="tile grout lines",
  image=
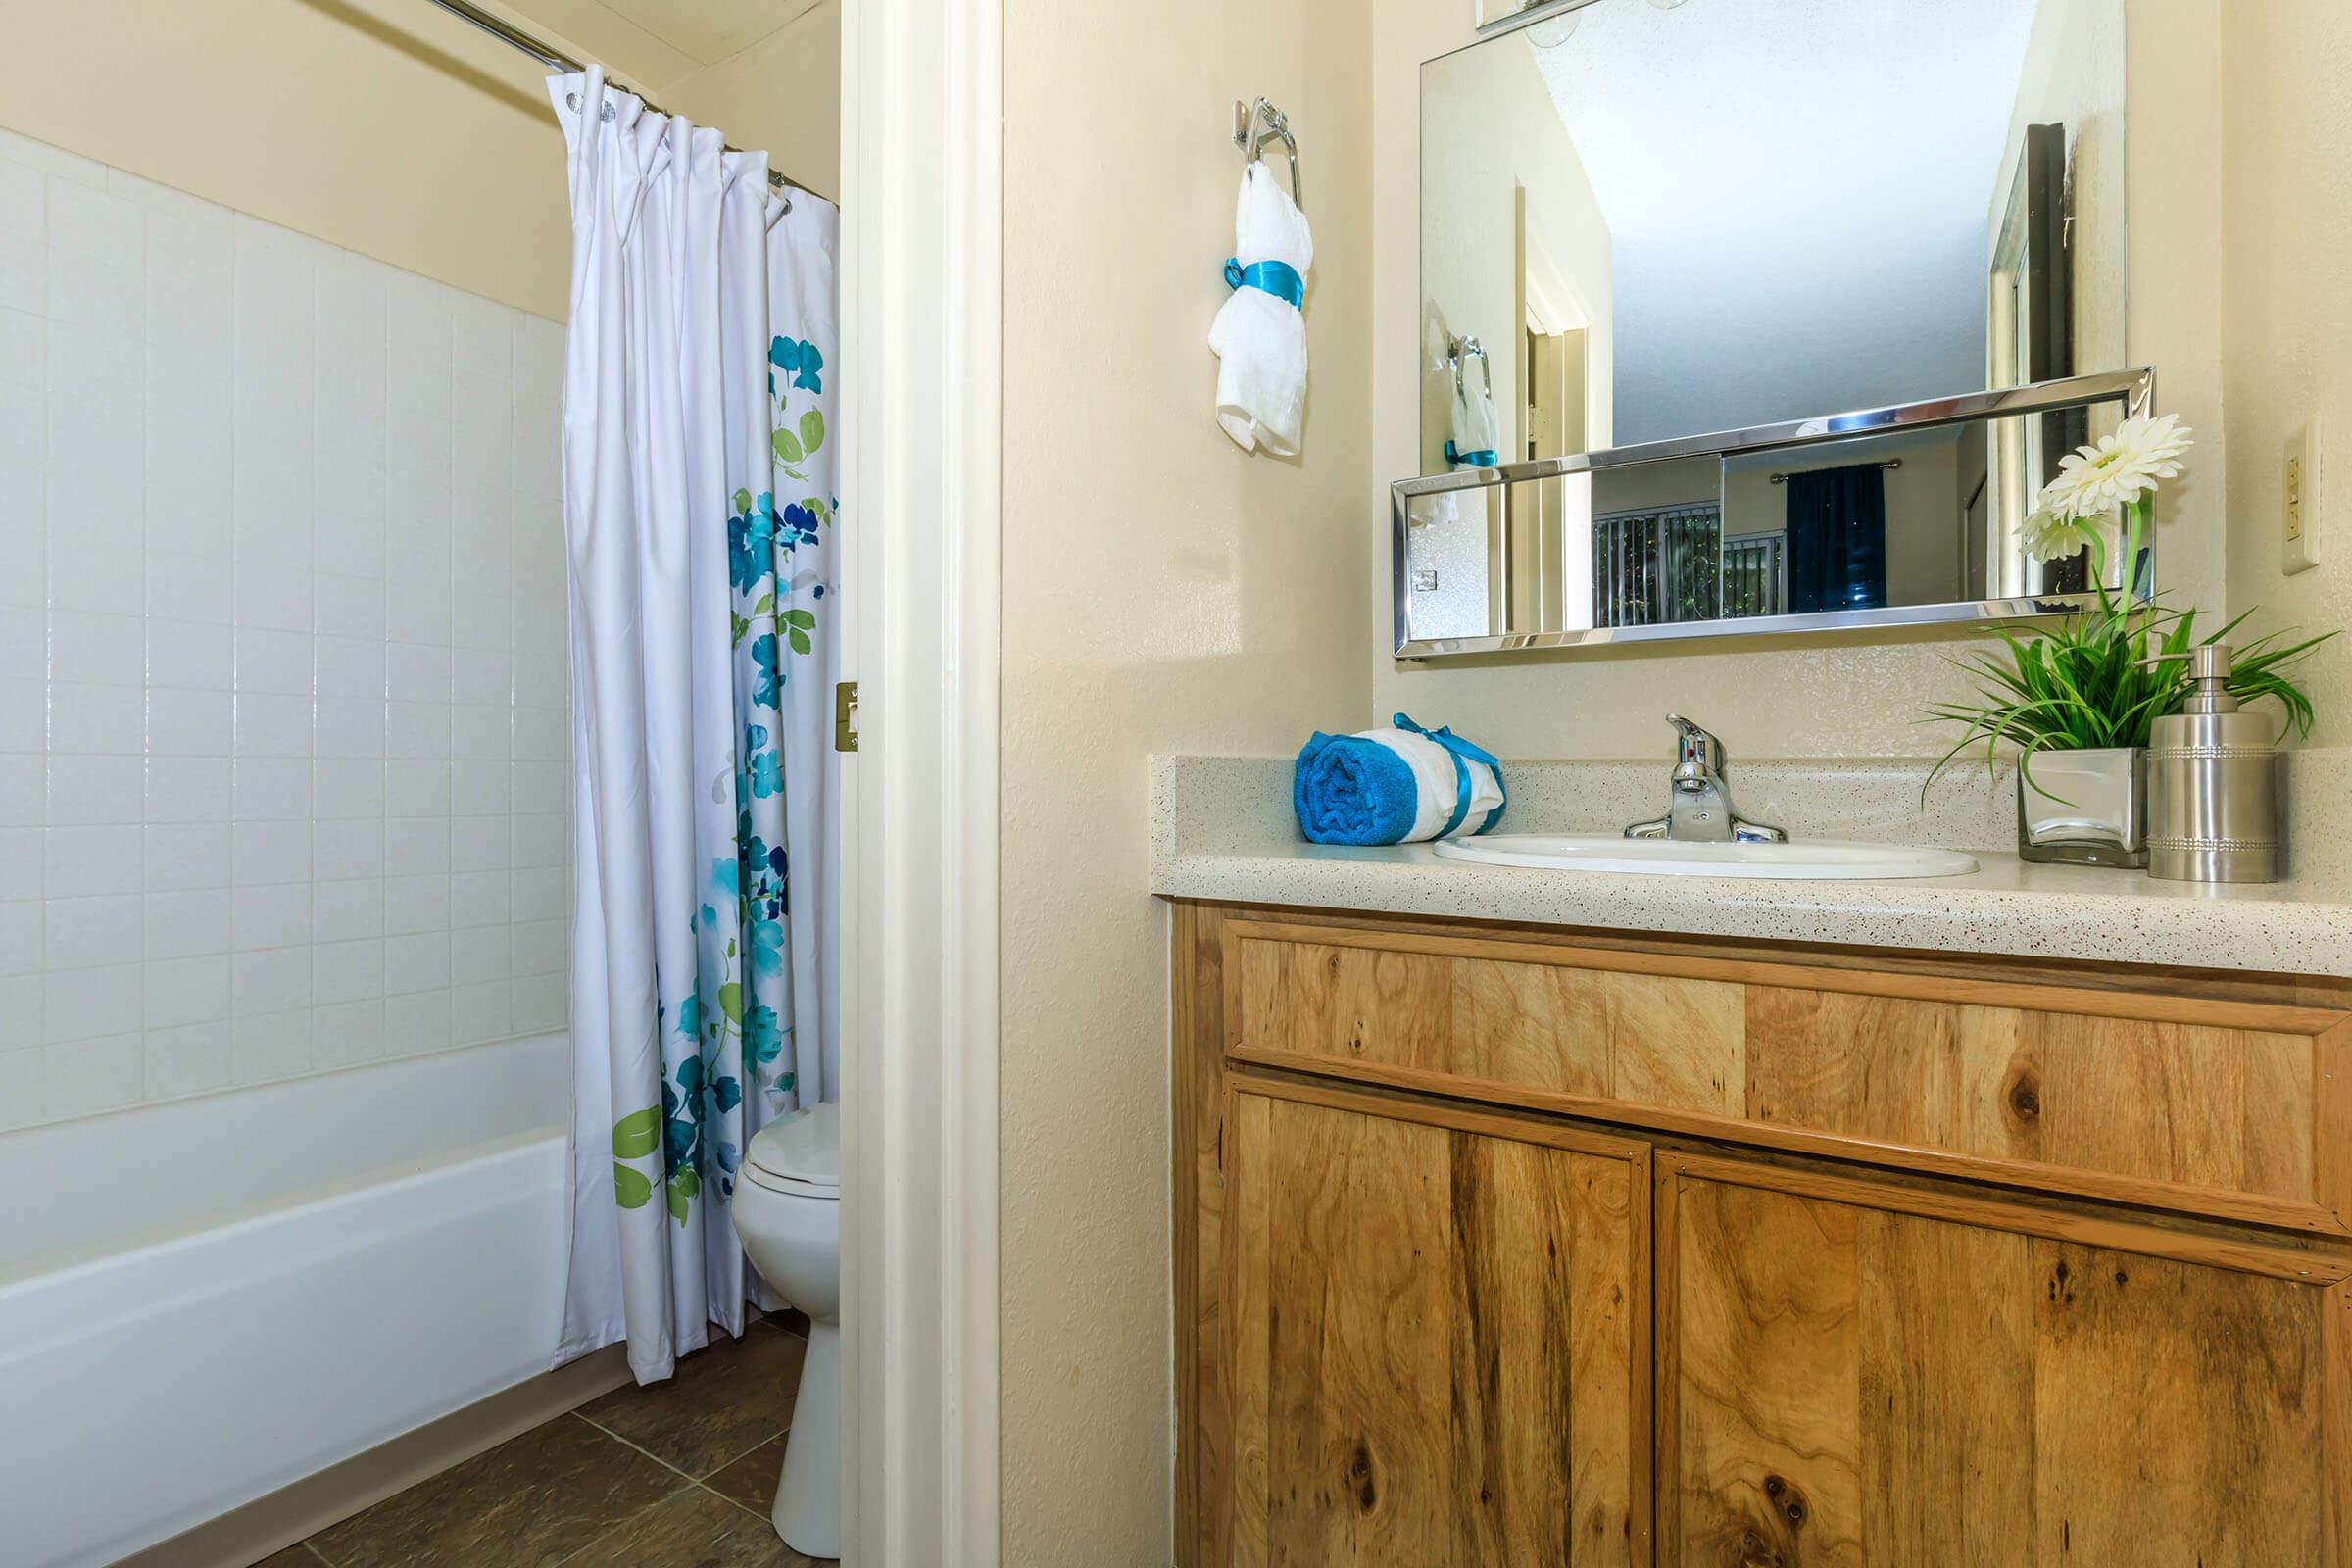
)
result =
(693, 1483)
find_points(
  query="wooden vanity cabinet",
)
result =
(1500, 1245)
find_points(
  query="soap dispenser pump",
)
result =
(2212, 783)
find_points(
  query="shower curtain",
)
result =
(698, 505)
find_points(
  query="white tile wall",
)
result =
(282, 693)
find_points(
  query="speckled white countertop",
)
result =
(1222, 830)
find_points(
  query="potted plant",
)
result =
(2077, 701)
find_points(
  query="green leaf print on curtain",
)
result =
(633, 1138)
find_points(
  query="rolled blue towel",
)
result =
(1394, 786)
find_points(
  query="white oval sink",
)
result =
(1815, 860)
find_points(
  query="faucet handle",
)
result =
(1696, 746)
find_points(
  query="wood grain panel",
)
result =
(2172, 1103)
(1860, 1384)
(1196, 1209)
(2218, 1107)
(1432, 1342)
(1768, 1401)
(2176, 1414)
(1927, 1073)
(1947, 1366)
(1240, 1509)
(1646, 1039)
(1349, 1003)
(2285, 1004)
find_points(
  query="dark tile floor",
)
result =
(677, 1475)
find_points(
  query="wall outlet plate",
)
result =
(2299, 501)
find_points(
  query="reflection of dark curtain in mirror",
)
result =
(1836, 533)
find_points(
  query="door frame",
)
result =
(921, 310)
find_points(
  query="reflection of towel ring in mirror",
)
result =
(1460, 349)
(1252, 141)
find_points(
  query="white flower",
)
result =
(2115, 470)
(2050, 536)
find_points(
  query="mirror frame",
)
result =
(2134, 389)
(1527, 15)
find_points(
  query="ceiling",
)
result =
(707, 32)
(655, 44)
(1798, 189)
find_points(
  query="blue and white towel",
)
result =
(1394, 786)
(1259, 336)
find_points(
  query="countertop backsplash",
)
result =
(1241, 804)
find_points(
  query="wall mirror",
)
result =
(1649, 224)
(1902, 516)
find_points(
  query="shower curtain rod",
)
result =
(555, 60)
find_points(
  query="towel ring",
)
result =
(1460, 349)
(1252, 141)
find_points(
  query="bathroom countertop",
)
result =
(1222, 832)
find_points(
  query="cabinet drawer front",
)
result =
(2206, 1107)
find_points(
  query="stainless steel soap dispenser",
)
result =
(2213, 783)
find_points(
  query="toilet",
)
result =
(787, 1211)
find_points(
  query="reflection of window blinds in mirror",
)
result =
(1754, 575)
(1657, 565)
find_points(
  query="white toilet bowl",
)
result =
(787, 1211)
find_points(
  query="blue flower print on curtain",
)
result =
(733, 1035)
(760, 892)
(798, 362)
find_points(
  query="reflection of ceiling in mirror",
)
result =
(1798, 194)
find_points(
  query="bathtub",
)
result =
(206, 1300)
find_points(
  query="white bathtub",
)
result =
(203, 1301)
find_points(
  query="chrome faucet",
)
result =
(1699, 806)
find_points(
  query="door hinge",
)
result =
(845, 716)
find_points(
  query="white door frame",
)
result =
(921, 303)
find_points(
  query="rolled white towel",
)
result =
(1259, 334)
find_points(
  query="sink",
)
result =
(1815, 860)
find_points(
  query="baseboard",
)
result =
(245, 1536)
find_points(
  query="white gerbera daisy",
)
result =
(2049, 535)
(2116, 469)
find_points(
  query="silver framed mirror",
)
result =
(1646, 220)
(1752, 531)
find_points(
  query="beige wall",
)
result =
(375, 125)
(1501, 136)
(1163, 591)
(2071, 78)
(782, 93)
(383, 125)
(1815, 695)
(2287, 322)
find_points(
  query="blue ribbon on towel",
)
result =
(1278, 278)
(1464, 754)
(1482, 458)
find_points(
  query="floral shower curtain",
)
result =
(699, 507)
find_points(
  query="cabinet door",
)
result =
(1855, 1374)
(1435, 1337)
